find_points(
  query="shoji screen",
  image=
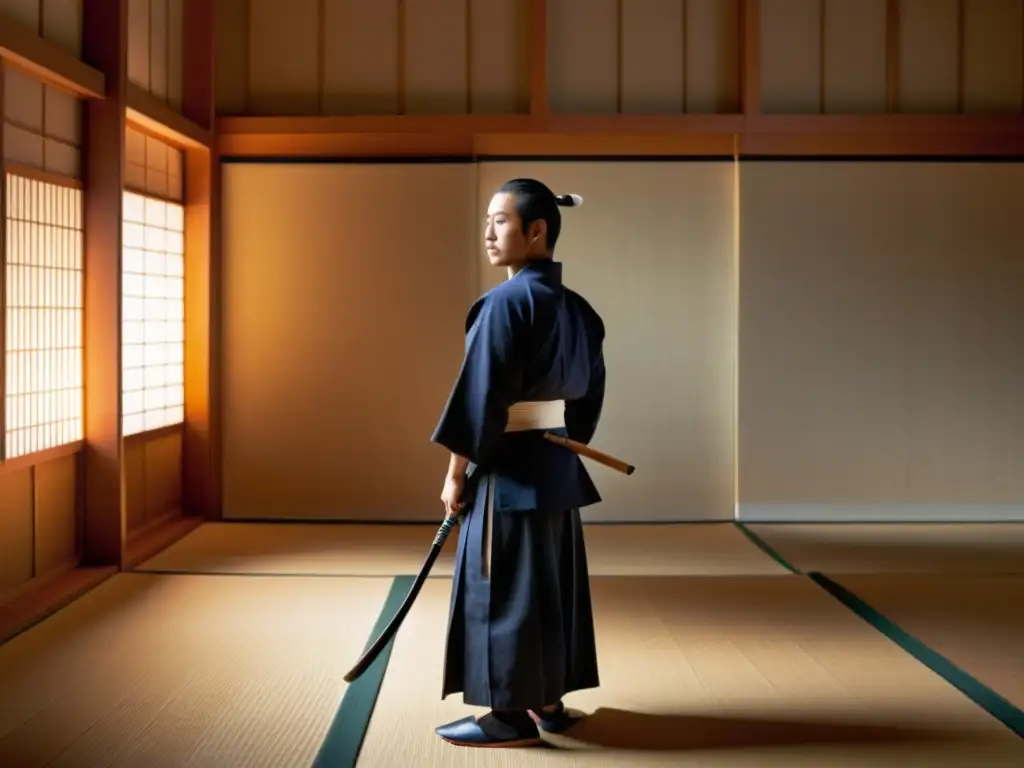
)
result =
(44, 315)
(43, 254)
(153, 287)
(41, 306)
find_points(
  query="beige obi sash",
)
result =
(523, 417)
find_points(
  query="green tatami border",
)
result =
(1005, 712)
(344, 739)
(1008, 714)
(765, 547)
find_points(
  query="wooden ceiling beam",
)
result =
(697, 135)
(47, 61)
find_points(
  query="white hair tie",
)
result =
(569, 201)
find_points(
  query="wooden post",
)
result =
(3, 276)
(200, 454)
(104, 47)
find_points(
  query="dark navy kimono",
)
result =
(522, 635)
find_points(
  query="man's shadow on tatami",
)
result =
(618, 729)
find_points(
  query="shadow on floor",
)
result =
(621, 729)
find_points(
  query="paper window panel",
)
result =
(153, 314)
(44, 336)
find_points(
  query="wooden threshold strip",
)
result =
(23, 48)
(41, 597)
(44, 596)
(144, 544)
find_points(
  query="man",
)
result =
(521, 630)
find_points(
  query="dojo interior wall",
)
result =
(776, 354)
(346, 289)
(877, 334)
(881, 362)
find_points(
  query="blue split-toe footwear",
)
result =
(487, 732)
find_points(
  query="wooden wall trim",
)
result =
(640, 124)
(822, 55)
(201, 436)
(20, 463)
(140, 189)
(684, 34)
(471, 60)
(892, 55)
(379, 124)
(750, 56)
(537, 32)
(400, 51)
(3, 271)
(618, 124)
(321, 54)
(482, 135)
(153, 116)
(880, 145)
(31, 172)
(23, 48)
(942, 125)
(105, 47)
(961, 29)
(151, 435)
(619, 23)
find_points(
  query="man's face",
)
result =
(506, 243)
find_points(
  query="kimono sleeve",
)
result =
(488, 383)
(582, 415)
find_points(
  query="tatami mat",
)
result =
(148, 671)
(379, 550)
(733, 671)
(988, 548)
(225, 670)
(303, 549)
(976, 622)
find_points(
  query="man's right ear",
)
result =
(538, 231)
